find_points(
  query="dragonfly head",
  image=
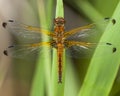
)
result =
(59, 21)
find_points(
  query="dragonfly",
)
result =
(73, 40)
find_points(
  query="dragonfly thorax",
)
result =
(59, 30)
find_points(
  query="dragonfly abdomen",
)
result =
(60, 68)
(60, 61)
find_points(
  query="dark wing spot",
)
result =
(5, 52)
(10, 20)
(114, 49)
(10, 46)
(113, 21)
(108, 43)
(4, 24)
(106, 18)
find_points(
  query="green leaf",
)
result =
(102, 71)
(58, 88)
(42, 76)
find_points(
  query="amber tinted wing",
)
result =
(29, 37)
(80, 42)
(27, 50)
(79, 49)
(87, 32)
(25, 33)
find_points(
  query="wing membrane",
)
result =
(27, 50)
(77, 41)
(86, 33)
(77, 49)
(25, 33)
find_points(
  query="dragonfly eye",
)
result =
(59, 20)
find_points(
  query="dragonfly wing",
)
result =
(76, 49)
(79, 52)
(26, 51)
(87, 33)
(24, 33)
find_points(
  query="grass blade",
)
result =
(57, 88)
(102, 71)
(42, 79)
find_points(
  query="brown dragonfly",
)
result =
(74, 40)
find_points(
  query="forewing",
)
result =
(88, 32)
(24, 33)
